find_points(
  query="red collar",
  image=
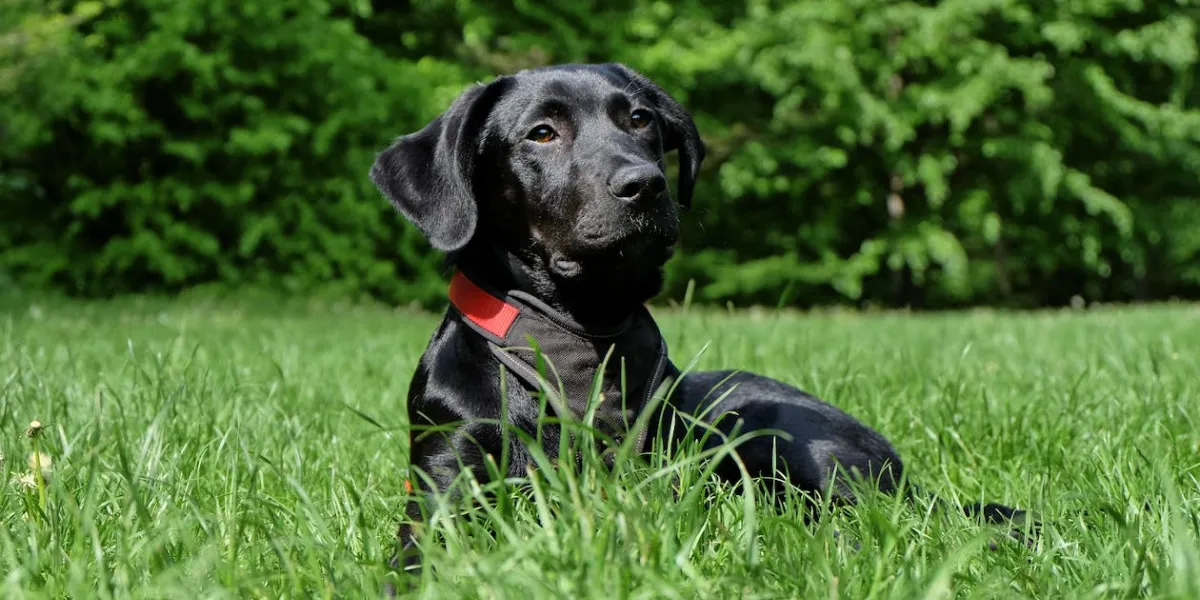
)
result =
(485, 310)
(521, 330)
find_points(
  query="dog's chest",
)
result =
(613, 376)
(605, 378)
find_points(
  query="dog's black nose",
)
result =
(637, 183)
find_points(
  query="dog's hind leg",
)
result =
(818, 447)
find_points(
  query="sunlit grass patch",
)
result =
(202, 449)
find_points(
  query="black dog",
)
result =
(547, 191)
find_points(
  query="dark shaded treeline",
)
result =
(900, 153)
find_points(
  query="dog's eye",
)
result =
(542, 134)
(640, 118)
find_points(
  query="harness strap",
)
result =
(636, 352)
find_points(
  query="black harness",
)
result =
(637, 366)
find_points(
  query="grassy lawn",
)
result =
(253, 448)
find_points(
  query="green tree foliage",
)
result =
(925, 153)
(175, 142)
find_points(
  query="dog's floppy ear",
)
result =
(427, 175)
(680, 134)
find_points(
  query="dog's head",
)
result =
(562, 168)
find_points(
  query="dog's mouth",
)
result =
(629, 251)
(643, 239)
(631, 231)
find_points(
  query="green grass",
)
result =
(209, 449)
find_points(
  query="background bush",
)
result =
(931, 154)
